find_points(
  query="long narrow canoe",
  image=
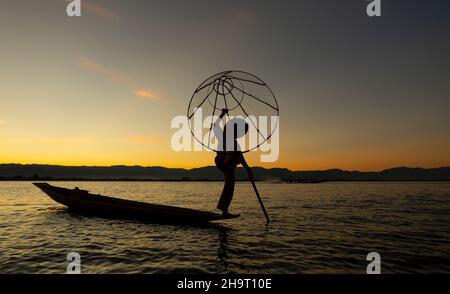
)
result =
(84, 202)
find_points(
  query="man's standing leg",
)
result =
(228, 191)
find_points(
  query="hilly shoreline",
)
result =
(209, 173)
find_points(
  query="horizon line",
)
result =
(159, 166)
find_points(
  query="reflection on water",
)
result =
(323, 228)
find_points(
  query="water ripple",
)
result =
(325, 228)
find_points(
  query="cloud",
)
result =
(110, 74)
(99, 10)
(117, 77)
(143, 140)
(148, 94)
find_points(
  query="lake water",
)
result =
(317, 228)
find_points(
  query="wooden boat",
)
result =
(84, 202)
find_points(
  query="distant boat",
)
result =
(84, 202)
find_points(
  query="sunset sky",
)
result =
(354, 92)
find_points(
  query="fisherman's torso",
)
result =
(227, 160)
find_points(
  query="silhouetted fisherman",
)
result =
(229, 156)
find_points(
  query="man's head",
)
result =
(234, 129)
(238, 127)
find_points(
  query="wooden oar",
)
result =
(260, 201)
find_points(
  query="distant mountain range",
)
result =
(209, 173)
